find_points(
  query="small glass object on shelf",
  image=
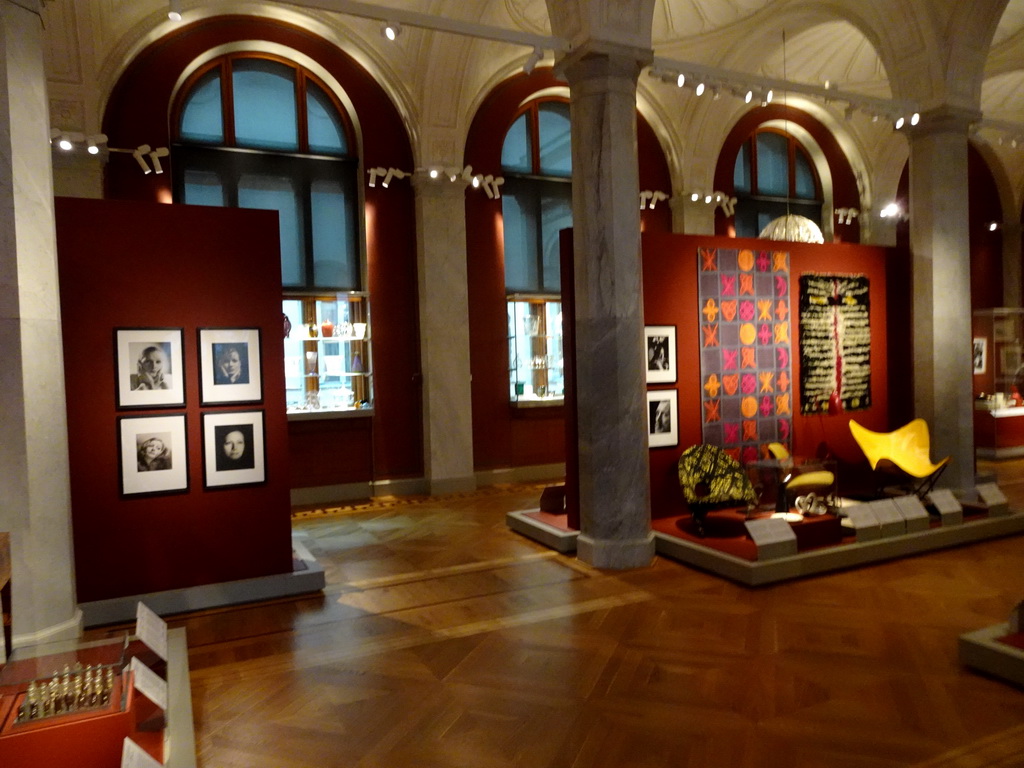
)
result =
(330, 370)
(536, 374)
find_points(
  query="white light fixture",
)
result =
(680, 80)
(899, 122)
(174, 11)
(391, 30)
(155, 156)
(533, 61)
(915, 118)
(695, 197)
(139, 153)
(93, 143)
(699, 90)
(993, 226)
(749, 96)
(434, 173)
(892, 210)
(374, 173)
(65, 143)
(769, 96)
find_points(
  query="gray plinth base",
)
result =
(982, 650)
(836, 557)
(179, 738)
(558, 539)
(614, 554)
(307, 577)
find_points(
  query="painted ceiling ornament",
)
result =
(795, 229)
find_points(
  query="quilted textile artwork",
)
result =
(745, 348)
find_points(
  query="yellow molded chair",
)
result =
(820, 481)
(903, 453)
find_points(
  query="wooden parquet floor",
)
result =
(443, 640)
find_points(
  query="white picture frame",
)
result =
(153, 453)
(234, 452)
(980, 354)
(230, 369)
(662, 418)
(660, 353)
(149, 367)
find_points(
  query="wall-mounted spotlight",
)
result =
(649, 198)
(915, 118)
(174, 10)
(893, 211)
(391, 30)
(64, 142)
(155, 156)
(846, 215)
(94, 144)
(900, 121)
(748, 96)
(993, 226)
(533, 61)
(699, 90)
(139, 153)
(680, 80)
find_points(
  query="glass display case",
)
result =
(47, 684)
(998, 335)
(536, 373)
(327, 353)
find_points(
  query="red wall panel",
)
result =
(670, 298)
(130, 265)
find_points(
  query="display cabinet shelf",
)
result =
(536, 374)
(328, 353)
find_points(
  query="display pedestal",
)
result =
(984, 650)
(92, 735)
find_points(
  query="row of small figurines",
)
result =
(71, 691)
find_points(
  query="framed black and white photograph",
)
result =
(229, 366)
(980, 355)
(661, 353)
(233, 449)
(149, 367)
(153, 455)
(662, 418)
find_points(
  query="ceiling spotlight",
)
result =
(993, 226)
(699, 90)
(681, 80)
(65, 143)
(391, 30)
(708, 199)
(155, 156)
(748, 97)
(899, 123)
(434, 173)
(915, 118)
(769, 96)
(892, 209)
(533, 61)
(94, 142)
(174, 11)
(695, 196)
(139, 153)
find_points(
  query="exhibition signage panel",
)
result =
(745, 350)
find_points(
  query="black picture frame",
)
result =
(662, 418)
(149, 367)
(153, 455)
(660, 353)
(230, 366)
(234, 449)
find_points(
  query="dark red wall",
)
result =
(670, 298)
(131, 265)
(390, 443)
(505, 436)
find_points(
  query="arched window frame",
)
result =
(536, 372)
(321, 373)
(755, 208)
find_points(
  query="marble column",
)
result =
(35, 506)
(444, 335)
(614, 481)
(940, 254)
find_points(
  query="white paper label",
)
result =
(149, 683)
(151, 629)
(134, 756)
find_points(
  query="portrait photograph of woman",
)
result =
(153, 454)
(233, 449)
(149, 367)
(229, 365)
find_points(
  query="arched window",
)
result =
(536, 162)
(256, 131)
(774, 176)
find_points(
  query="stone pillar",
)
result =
(1012, 264)
(35, 506)
(698, 216)
(614, 478)
(940, 258)
(444, 334)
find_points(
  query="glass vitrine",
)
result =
(536, 373)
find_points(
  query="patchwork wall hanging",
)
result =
(835, 343)
(745, 350)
